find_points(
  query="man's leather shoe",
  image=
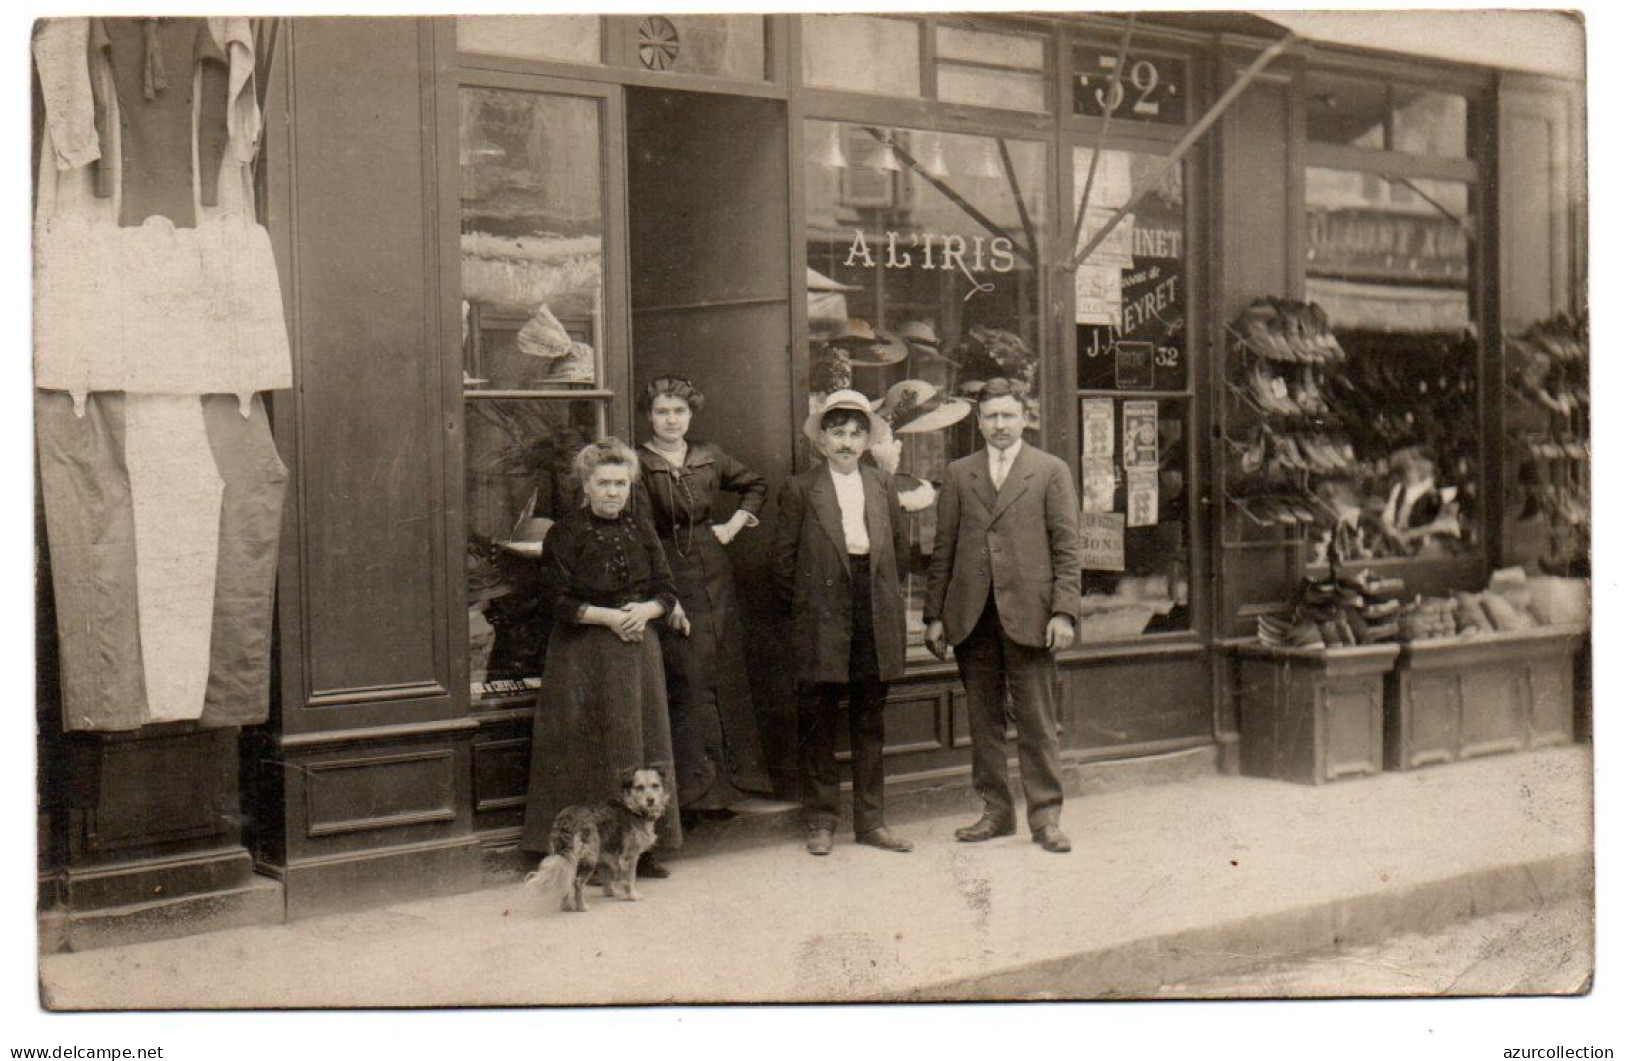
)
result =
(986, 827)
(651, 868)
(885, 839)
(1050, 838)
(820, 841)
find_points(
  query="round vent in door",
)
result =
(657, 43)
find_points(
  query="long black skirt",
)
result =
(602, 711)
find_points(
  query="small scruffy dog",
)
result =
(609, 836)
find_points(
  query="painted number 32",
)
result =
(1167, 357)
(1142, 78)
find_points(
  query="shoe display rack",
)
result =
(1281, 435)
(1549, 422)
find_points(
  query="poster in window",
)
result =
(1099, 484)
(1100, 540)
(1140, 434)
(1098, 438)
(1142, 497)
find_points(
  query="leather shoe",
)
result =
(885, 839)
(820, 841)
(985, 828)
(651, 868)
(1050, 838)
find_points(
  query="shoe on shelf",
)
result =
(820, 841)
(1050, 838)
(885, 839)
(651, 868)
(986, 827)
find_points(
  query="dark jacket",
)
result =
(811, 573)
(1020, 543)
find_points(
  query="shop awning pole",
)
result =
(1185, 143)
(1112, 88)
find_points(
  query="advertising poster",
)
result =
(1100, 539)
(1142, 497)
(1140, 434)
(1099, 440)
(1099, 484)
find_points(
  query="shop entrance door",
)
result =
(708, 233)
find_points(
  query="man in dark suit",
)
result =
(836, 551)
(1004, 592)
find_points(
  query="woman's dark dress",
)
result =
(603, 704)
(714, 732)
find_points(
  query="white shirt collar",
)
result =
(853, 474)
(1009, 454)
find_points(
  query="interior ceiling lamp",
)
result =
(930, 156)
(986, 166)
(884, 160)
(829, 151)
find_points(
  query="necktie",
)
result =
(1001, 467)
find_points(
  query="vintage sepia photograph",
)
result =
(953, 506)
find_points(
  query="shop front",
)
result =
(493, 232)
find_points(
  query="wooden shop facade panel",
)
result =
(1311, 716)
(360, 784)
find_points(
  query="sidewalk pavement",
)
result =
(1166, 885)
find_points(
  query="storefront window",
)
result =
(1134, 396)
(565, 38)
(923, 251)
(861, 53)
(1391, 262)
(533, 326)
(731, 46)
(1372, 114)
(985, 69)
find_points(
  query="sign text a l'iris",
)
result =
(935, 251)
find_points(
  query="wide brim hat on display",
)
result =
(484, 580)
(867, 348)
(528, 536)
(922, 341)
(914, 406)
(879, 430)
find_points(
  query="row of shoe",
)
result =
(1282, 509)
(1551, 449)
(1353, 611)
(1429, 618)
(1298, 397)
(1282, 330)
(1278, 455)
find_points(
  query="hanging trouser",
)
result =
(109, 593)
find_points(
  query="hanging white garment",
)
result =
(176, 493)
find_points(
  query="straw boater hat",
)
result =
(922, 341)
(879, 430)
(867, 348)
(915, 406)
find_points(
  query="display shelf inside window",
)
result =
(1286, 447)
(1548, 421)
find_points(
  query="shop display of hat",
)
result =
(528, 536)
(914, 493)
(922, 341)
(867, 348)
(484, 580)
(914, 406)
(879, 430)
(831, 372)
(993, 353)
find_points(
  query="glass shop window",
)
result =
(861, 53)
(730, 46)
(1372, 114)
(1134, 393)
(987, 69)
(924, 252)
(1391, 261)
(532, 231)
(563, 38)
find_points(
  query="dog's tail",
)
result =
(551, 881)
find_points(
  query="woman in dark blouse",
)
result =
(713, 725)
(602, 709)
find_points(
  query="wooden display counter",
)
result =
(1310, 715)
(1456, 698)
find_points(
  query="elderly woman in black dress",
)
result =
(719, 751)
(603, 704)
